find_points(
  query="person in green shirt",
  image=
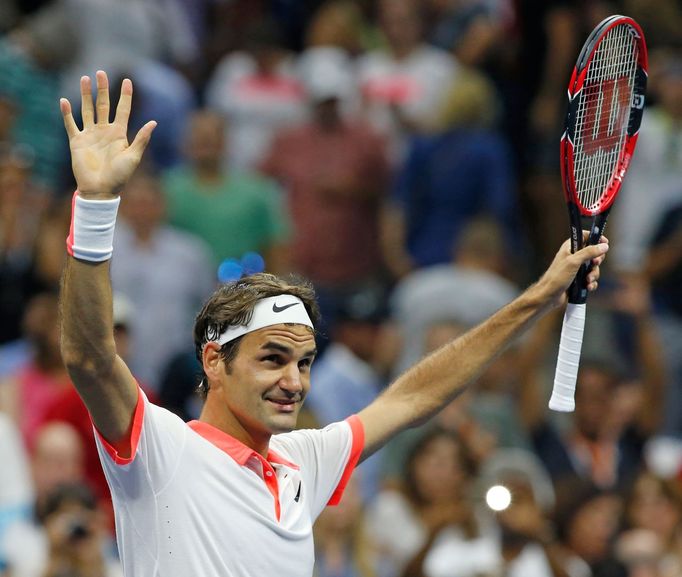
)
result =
(233, 213)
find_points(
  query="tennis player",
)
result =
(236, 492)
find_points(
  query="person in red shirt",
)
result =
(335, 171)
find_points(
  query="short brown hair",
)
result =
(232, 304)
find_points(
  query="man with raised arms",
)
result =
(236, 492)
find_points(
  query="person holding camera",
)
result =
(68, 538)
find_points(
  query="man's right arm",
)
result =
(102, 162)
(102, 379)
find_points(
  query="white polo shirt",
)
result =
(193, 501)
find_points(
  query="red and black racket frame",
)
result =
(577, 292)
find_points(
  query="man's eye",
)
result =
(305, 363)
(273, 359)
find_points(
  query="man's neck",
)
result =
(226, 422)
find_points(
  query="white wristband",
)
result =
(91, 236)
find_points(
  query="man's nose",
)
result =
(291, 379)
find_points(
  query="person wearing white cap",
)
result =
(236, 492)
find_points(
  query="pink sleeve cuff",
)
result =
(358, 444)
(130, 440)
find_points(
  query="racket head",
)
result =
(606, 97)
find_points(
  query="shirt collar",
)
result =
(233, 447)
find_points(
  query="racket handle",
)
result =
(568, 361)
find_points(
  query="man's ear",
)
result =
(213, 362)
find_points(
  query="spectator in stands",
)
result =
(38, 271)
(449, 178)
(340, 24)
(352, 372)
(641, 553)
(16, 489)
(349, 375)
(475, 271)
(32, 57)
(21, 208)
(258, 93)
(341, 548)
(656, 168)
(232, 212)
(587, 520)
(654, 507)
(664, 269)
(26, 394)
(335, 173)
(57, 459)
(472, 30)
(178, 385)
(164, 273)
(147, 40)
(405, 84)
(522, 542)
(403, 524)
(617, 406)
(68, 538)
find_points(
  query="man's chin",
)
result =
(283, 423)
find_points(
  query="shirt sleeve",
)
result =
(156, 441)
(327, 458)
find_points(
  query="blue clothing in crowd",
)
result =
(446, 181)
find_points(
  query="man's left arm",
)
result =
(428, 386)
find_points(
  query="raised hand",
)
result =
(101, 158)
(561, 272)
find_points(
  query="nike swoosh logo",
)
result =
(298, 493)
(276, 309)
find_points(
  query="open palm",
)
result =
(101, 158)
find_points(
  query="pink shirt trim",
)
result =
(358, 433)
(130, 440)
(69, 239)
(241, 453)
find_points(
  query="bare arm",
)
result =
(102, 162)
(432, 383)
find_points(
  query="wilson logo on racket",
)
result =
(605, 106)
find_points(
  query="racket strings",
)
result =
(603, 114)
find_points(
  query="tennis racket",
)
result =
(605, 106)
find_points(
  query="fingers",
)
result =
(124, 104)
(588, 253)
(586, 235)
(87, 110)
(597, 261)
(142, 138)
(67, 114)
(596, 255)
(102, 97)
(593, 278)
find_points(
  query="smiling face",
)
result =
(260, 392)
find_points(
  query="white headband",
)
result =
(267, 312)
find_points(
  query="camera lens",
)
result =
(78, 530)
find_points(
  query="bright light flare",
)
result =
(498, 498)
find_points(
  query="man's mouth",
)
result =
(283, 405)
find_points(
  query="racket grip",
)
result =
(566, 374)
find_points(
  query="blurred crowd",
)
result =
(403, 156)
